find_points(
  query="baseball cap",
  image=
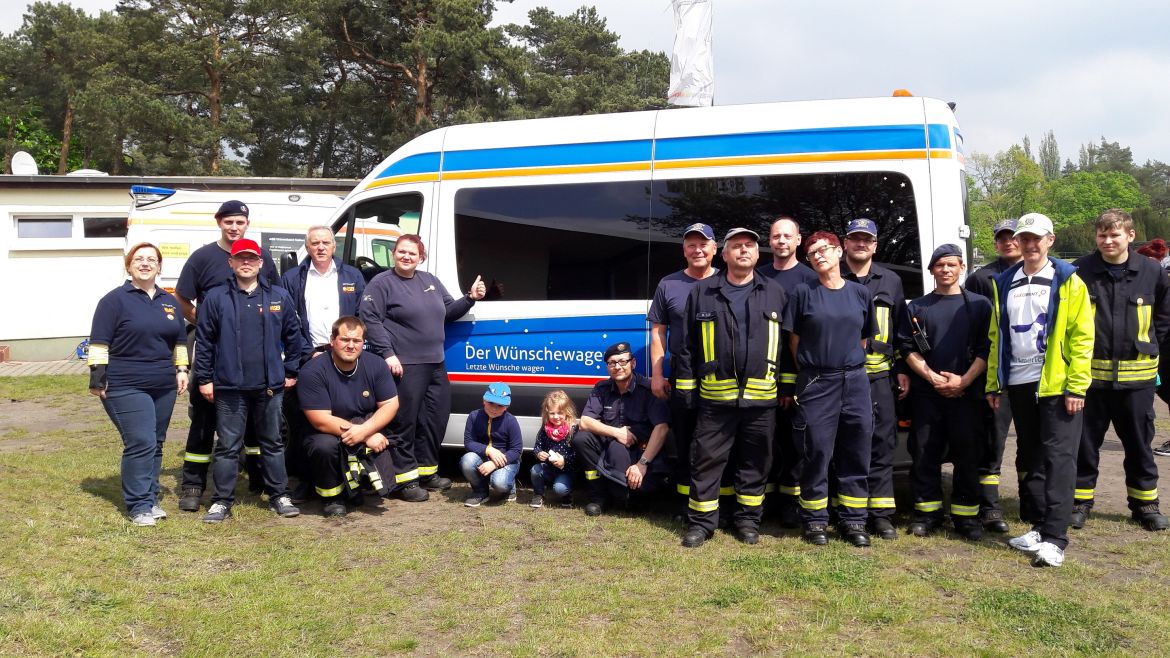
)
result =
(1034, 223)
(862, 225)
(700, 228)
(231, 208)
(739, 231)
(498, 393)
(943, 251)
(1004, 225)
(244, 244)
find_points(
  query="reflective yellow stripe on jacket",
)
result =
(875, 363)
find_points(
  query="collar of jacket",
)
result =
(757, 281)
(1098, 265)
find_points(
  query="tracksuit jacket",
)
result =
(350, 285)
(1127, 358)
(706, 363)
(218, 326)
(1070, 330)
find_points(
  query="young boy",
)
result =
(494, 444)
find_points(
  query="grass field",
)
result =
(439, 579)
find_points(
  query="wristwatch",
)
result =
(643, 462)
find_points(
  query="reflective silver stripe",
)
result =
(196, 458)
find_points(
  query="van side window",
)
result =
(817, 201)
(555, 242)
(377, 225)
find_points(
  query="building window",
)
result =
(104, 227)
(44, 227)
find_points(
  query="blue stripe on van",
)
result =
(817, 140)
(548, 156)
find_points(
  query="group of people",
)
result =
(777, 378)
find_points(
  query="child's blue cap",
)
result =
(498, 393)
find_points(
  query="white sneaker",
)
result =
(144, 519)
(1047, 554)
(1029, 541)
(158, 512)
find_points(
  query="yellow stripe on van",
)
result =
(405, 178)
(207, 221)
(547, 171)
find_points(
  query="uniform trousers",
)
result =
(327, 457)
(885, 439)
(416, 433)
(946, 429)
(1132, 413)
(201, 439)
(996, 424)
(739, 440)
(1047, 439)
(834, 419)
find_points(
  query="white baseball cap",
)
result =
(1034, 223)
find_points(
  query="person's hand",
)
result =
(660, 386)
(993, 401)
(496, 457)
(634, 475)
(208, 391)
(485, 469)
(290, 382)
(1073, 404)
(625, 436)
(904, 384)
(785, 401)
(478, 289)
(355, 434)
(315, 354)
(542, 456)
(557, 460)
(100, 392)
(395, 365)
(181, 380)
(377, 442)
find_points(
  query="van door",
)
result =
(368, 230)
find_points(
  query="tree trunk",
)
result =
(116, 165)
(422, 101)
(66, 135)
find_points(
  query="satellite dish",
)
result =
(87, 172)
(23, 164)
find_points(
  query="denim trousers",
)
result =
(544, 473)
(499, 483)
(232, 411)
(142, 418)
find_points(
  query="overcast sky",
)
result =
(1081, 68)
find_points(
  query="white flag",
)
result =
(692, 65)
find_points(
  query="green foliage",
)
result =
(1080, 197)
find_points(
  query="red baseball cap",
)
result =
(244, 244)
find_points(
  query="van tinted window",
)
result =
(378, 221)
(817, 201)
(562, 242)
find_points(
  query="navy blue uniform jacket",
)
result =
(217, 333)
(350, 285)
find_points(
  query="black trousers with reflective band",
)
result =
(416, 433)
(739, 441)
(885, 439)
(1132, 413)
(682, 429)
(952, 429)
(786, 455)
(327, 458)
(834, 421)
(1047, 440)
(995, 424)
(197, 455)
(605, 462)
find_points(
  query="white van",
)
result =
(181, 221)
(572, 221)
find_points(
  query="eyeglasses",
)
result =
(822, 251)
(618, 363)
(145, 259)
(247, 258)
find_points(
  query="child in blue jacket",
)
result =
(494, 445)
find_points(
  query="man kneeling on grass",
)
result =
(348, 397)
(494, 444)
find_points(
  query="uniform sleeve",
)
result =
(271, 274)
(658, 411)
(456, 308)
(657, 313)
(1162, 310)
(384, 386)
(206, 337)
(869, 327)
(905, 337)
(1081, 328)
(993, 385)
(515, 439)
(186, 286)
(471, 442)
(312, 391)
(981, 343)
(372, 311)
(897, 320)
(792, 310)
(594, 405)
(687, 372)
(980, 282)
(105, 320)
(294, 343)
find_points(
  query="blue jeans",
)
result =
(142, 418)
(562, 482)
(502, 480)
(232, 410)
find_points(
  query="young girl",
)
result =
(554, 449)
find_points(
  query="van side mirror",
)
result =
(288, 260)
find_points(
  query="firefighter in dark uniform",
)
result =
(1131, 302)
(881, 360)
(729, 369)
(999, 420)
(831, 324)
(623, 429)
(349, 398)
(944, 338)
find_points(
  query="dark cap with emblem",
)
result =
(945, 251)
(617, 348)
(862, 225)
(231, 209)
(701, 229)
